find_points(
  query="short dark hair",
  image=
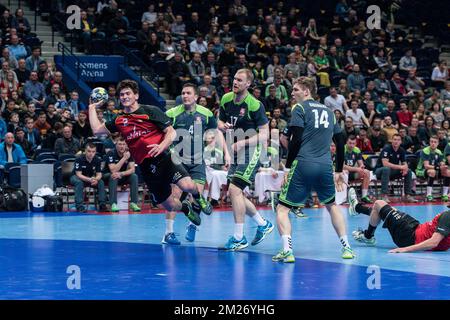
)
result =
(91, 145)
(351, 137)
(191, 85)
(396, 135)
(130, 84)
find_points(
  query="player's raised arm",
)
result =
(97, 127)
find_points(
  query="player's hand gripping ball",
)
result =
(99, 94)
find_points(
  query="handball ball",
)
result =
(99, 94)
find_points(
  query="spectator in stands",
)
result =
(440, 74)
(11, 152)
(413, 83)
(20, 140)
(194, 25)
(442, 139)
(428, 130)
(354, 167)
(6, 21)
(57, 79)
(349, 128)
(224, 86)
(81, 129)
(398, 88)
(434, 98)
(21, 23)
(10, 84)
(198, 45)
(391, 112)
(52, 115)
(437, 114)
(5, 70)
(336, 101)
(271, 101)
(68, 143)
(281, 92)
(31, 133)
(74, 104)
(392, 165)
(53, 97)
(109, 114)
(389, 129)
(276, 115)
(89, 31)
(357, 115)
(197, 68)
(383, 62)
(404, 116)
(322, 66)
(445, 93)
(367, 63)
(41, 124)
(118, 26)
(408, 62)
(120, 170)
(14, 122)
(227, 56)
(362, 142)
(17, 49)
(22, 73)
(87, 173)
(167, 46)
(356, 80)
(34, 90)
(150, 15)
(178, 27)
(33, 61)
(7, 56)
(377, 139)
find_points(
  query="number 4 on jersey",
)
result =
(322, 120)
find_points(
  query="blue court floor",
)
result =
(120, 257)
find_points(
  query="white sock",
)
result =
(287, 242)
(238, 231)
(445, 191)
(169, 226)
(259, 220)
(429, 191)
(344, 241)
(365, 192)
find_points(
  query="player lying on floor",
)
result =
(407, 233)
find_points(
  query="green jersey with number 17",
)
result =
(319, 125)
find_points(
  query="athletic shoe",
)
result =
(205, 205)
(170, 238)
(429, 198)
(193, 216)
(81, 209)
(359, 235)
(353, 201)
(114, 208)
(134, 207)
(366, 199)
(347, 253)
(445, 198)
(190, 232)
(234, 245)
(103, 208)
(261, 232)
(284, 256)
(298, 212)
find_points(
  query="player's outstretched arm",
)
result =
(424, 245)
(96, 126)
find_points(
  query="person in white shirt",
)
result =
(336, 101)
(359, 119)
(149, 16)
(198, 45)
(408, 62)
(440, 72)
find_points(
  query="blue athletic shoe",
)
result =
(234, 245)
(190, 232)
(170, 238)
(261, 232)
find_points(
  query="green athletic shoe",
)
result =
(114, 208)
(347, 253)
(193, 216)
(205, 206)
(352, 201)
(134, 207)
(444, 198)
(366, 199)
(284, 256)
(429, 198)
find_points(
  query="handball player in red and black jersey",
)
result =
(407, 233)
(149, 133)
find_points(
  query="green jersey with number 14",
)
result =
(319, 125)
